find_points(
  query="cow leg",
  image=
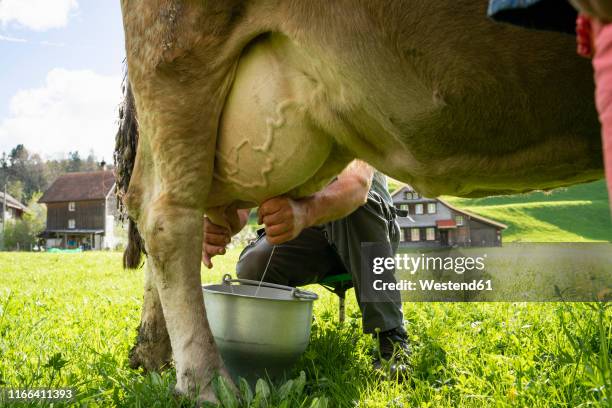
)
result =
(152, 350)
(173, 237)
(167, 195)
(181, 57)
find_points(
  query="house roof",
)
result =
(402, 188)
(474, 216)
(93, 185)
(428, 222)
(11, 202)
(46, 233)
(399, 200)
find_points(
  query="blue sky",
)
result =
(60, 75)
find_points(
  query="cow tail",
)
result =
(132, 255)
(126, 144)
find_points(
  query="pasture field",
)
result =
(68, 320)
(579, 213)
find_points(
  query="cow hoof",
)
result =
(152, 350)
(149, 358)
(207, 397)
(208, 394)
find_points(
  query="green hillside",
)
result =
(577, 213)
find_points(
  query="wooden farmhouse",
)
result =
(14, 208)
(435, 223)
(81, 211)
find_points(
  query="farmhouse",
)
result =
(434, 222)
(14, 208)
(81, 210)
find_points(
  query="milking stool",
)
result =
(338, 284)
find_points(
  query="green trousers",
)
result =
(334, 248)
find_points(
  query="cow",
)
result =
(230, 103)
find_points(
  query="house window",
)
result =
(71, 206)
(71, 224)
(404, 207)
(402, 235)
(418, 209)
(459, 220)
(430, 234)
(415, 234)
(431, 208)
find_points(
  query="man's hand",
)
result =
(284, 218)
(217, 237)
(215, 240)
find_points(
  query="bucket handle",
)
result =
(295, 292)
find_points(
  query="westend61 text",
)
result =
(432, 285)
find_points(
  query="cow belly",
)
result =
(267, 144)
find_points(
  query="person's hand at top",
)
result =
(284, 218)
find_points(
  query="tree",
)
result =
(74, 162)
(36, 174)
(19, 155)
(15, 189)
(90, 163)
(24, 173)
(23, 234)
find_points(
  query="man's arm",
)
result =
(285, 218)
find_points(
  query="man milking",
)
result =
(321, 235)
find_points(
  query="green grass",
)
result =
(70, 319)
(575, 214)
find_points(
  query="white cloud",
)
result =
(23, 40)
(37, 15)
(74, 110)
(52, 44)
(12, 39)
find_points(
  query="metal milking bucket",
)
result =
(260, 329)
